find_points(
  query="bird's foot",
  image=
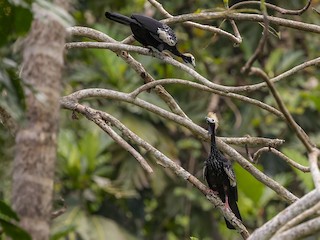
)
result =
(213, 192)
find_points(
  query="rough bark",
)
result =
(36, 140)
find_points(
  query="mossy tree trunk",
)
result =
(36, 141)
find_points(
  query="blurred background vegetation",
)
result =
(107, 193)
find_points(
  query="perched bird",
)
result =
(219, 174)
(152, 33)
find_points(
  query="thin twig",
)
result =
(135, 65)
(304, 138)
(195, 129)
(191, 72)
(280, 190)
(258, 153)
(260, 47)
(230, 14)
(274, 7)
(253, 141)
(163, 160)
(236, 39)
(258, 103)
(60, 211)
(95, 117)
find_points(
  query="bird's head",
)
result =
(189, 59)
(213, 121)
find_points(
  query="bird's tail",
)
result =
(119, 18)
(234, 207)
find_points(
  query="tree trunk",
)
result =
(36, 141)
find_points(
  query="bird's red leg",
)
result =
(226, 204)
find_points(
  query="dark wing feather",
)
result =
(153, 26)
(228, 169)
(148, 23)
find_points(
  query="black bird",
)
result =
(219, 173)
(152, 33)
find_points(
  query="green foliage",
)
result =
(15, 19)
(76, 224)
(8, 223)
(108, 194)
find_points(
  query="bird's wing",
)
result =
(227, 166)
(204, 172)
(161, 32)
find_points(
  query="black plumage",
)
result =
(152, 33)
(219, 173)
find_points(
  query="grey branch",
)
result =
(274, 7)
(258, 153)
(135, 65)
(268, 229)
(163, 159)
(95, 116)
(314, 167)
(195, 129)
(303, 230)
(306, 214)
(235, 38)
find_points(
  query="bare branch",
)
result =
(294, 126)
(274, 7)
(195, 129)
(280, 190)
(253, 141)
(236, 39)
(94, 116)
(135, 65)
(230, 14)
(314, 167)
(164, 160)
(260, 104)
(290, 72)
(306, 214)
(259, 49)
(147, 78)
(197, 76)
(60, 211)
(268, 229)
(303, 230)
(258, 153)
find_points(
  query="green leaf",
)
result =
(6, 210)
(63, 232)
(13, 231)
(305, 178)
(255, 191)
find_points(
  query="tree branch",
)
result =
(314, 167)
(195, 129)
(274, 7)
(303, 230)
(268, 229)
(258, 153)
(304, 138)
(236, 39)
(306, 214)
(95, 117)
(164, 160)
(260, 104)
(135, 65)
(230, 14)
